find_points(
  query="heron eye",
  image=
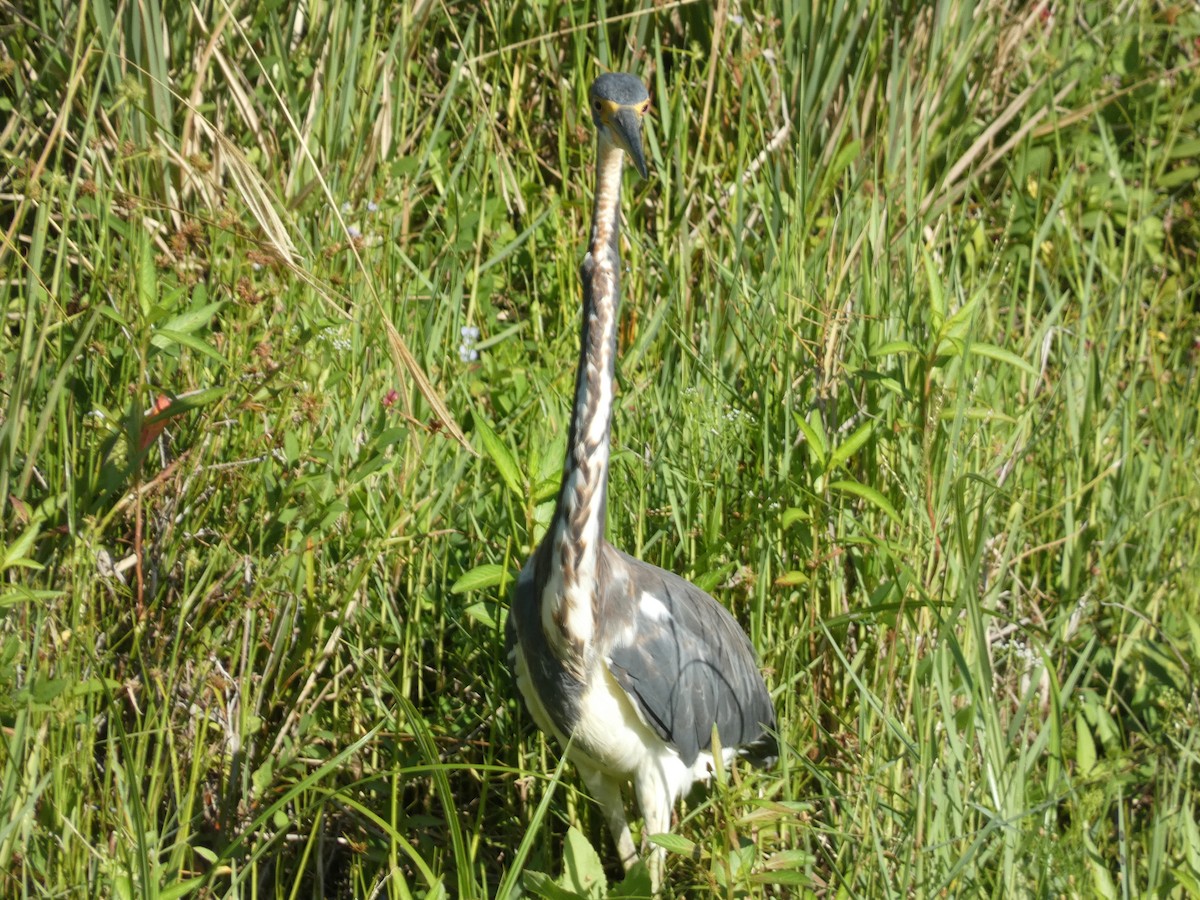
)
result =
(598, 106)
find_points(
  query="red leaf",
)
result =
(151, 431)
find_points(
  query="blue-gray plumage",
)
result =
(691, 666)
(628, 665)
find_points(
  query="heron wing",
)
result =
(687, 664)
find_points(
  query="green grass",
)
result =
(908, 380)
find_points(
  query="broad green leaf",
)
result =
(1189, 882)
(792, 579)
(192, 401)
(789, 859)
(872, 496)
(635, 885)
(991, 351)
(738, 863)
(164, 337)
(794, 514)
(291, 447)
(499, 454)
(542, 885)
(1181, 149)
(204, 853)
(482, 613)
(710, 580)
(902, 347)
(46, 690)
(1173, 178)
(484, 576)
(95, 686)
(109, 313)
(1085, 747)
(16, 553)
(193, 319)
(674, 843)
(180, 888)
(18, 593)
(583, 872)
(851, 445)
(814, 438)
(262, 777)
(147, 275)
(956, 326)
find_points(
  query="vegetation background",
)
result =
(908, 380)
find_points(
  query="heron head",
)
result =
(618, 102)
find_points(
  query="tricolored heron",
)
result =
(628, 665)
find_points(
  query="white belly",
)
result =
(610, 733)
(611, 736)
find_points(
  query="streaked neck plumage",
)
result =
(577, 532)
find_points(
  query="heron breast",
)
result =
(610, 731)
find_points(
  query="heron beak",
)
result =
(626, 128)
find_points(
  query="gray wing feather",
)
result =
(690, 669)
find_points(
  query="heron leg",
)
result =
(654, 796)
(606, 791)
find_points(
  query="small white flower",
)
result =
(346, 207)
(372, 206)
(470, 333)
(353, 231)
(467, 354)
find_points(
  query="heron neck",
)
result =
(578, 529)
